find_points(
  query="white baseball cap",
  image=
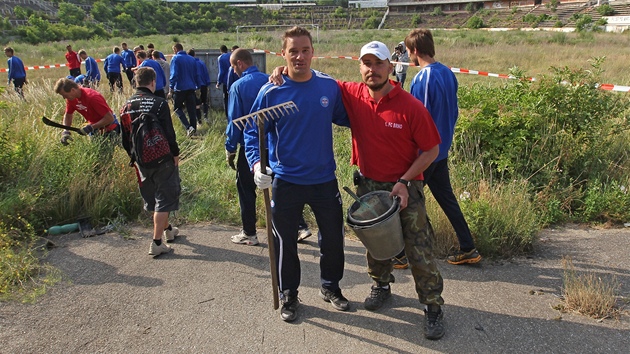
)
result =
(377, 48)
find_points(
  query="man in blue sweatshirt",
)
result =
(17, 73)
(92, 74)
(112, 67)
(160, 78)
(183, 83)
(304, 169)
(203, 78)
(129, 59)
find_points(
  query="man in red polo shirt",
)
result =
(90, 104)
(73, 62)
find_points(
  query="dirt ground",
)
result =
(210, 295)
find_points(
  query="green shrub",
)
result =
(371, 23)
(606, 10)
(416, 20)
(605, 202)
(474, 22)
(437, 11)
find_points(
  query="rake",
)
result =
(260, 117)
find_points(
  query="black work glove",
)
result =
(88, 129)
(229, 157)
(65, 138)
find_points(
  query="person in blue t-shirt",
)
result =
(436, 86)
(160, 78)
(92, 74)
(203, 78)
(129, 59)
(183, 83)
(16, 70)
(112, 66)
(304, 169)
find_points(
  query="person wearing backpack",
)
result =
(149, 139)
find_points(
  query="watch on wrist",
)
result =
(404, 181)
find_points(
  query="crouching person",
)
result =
(149, 139)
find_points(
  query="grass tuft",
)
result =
(588, 293)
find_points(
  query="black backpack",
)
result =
(149, 146)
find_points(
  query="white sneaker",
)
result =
(245, 240)
(303, 234)
(155, 250)
(190, 132)
(169, 235)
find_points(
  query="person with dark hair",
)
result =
(92, 73)
(241, 97)
(166, 68)
(160, 79)
(151, 47)
(223, 75)
(203, 78)
(73, 62)
(129, 58)
(112, 67)
(400, 69)
(90, 104)
(183, 84)
(435, 85)
(160, 187)
(16, 71)
(304, 172)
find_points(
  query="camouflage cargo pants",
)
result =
(418, 236)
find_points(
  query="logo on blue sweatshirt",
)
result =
(324, 101)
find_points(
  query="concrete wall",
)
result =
(210, 57)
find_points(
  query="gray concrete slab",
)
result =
(213, 296)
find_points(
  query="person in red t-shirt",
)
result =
(389, 127)
(90, 104)
(73, 62)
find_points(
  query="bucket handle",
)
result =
(362, 203)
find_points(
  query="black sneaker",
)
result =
(377, 297)
(433, 326)
(461, 257)
(288, 312)
(336, 299)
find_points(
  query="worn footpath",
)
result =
(213, 296)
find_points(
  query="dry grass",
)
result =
(588, 293)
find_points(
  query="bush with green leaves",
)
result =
(371, 23)
(606, 10)
(474, 22)
(559, 134)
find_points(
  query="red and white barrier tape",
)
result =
(608, 87)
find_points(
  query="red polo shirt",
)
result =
(387, 136)
(91, 105)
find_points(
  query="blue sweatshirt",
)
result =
(240, 100)
(300, 142)
(113, 62)
(203, 76)
(129, 58)
(91, 70)
(183, 72)
(224, 68)
(160, 78)
(436, 86)
(16, 68)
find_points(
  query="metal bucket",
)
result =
(376, 221)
